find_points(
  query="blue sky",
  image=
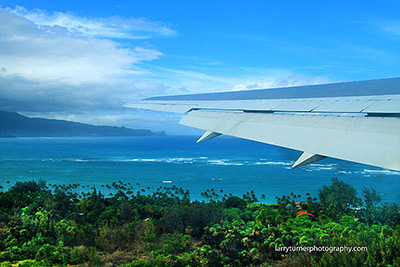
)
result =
(82, 60)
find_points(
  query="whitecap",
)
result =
(385, 172)
(345, 172)
(273, 163)
(144, 160)
(314, 168)
(323, 165)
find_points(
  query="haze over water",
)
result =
(234, 165)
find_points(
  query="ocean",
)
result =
(234, 165)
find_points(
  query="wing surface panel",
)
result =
(377, 104)
(374, 140)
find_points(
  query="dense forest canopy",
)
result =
(74, 225)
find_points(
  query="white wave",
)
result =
(323, 168)
(345, 172)
(385, 172)
(323, 165)
(183, 160)
(144, 160)
(273, 163)
(167, 160)
(229, 164)
(180, 159)
(81, 160)
(215, 161)
(166, 182)
(205, 160)
(224, 162)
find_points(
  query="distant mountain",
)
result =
(16, 125)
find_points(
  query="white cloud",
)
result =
(234, 79)
(391, 27)
(111, 27)
(34, 54)
(41, 70)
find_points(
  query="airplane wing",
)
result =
(354, 121)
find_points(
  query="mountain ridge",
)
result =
(13, 124)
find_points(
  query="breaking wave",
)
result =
(188, 160)
(385, 172)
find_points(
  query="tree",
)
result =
(371, 198)
(338, 198)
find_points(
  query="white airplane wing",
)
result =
(354, 121)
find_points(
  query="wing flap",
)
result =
(368, 140)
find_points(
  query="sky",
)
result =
(83, 60)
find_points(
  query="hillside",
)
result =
(16, 125)
(132, 225)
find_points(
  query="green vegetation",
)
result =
(53, 225)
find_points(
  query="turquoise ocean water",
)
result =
(231, 164)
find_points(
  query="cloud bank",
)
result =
(47, 71)
(61, 65)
